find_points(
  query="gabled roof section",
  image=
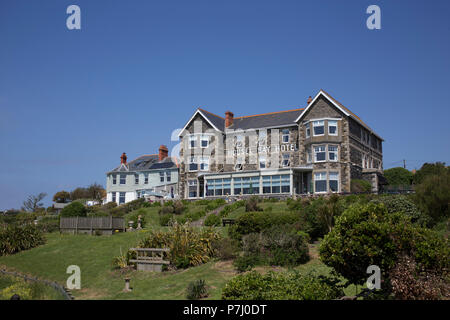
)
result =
(340, 107)
(266, 120)
(146, 163)
(218, 123)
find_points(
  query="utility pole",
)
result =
(404, 164)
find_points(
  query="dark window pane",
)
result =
(275, 189)
(266, 189)
(285, 189)
(318, 130)
(321, 186)
(321, 156)
(334, 185)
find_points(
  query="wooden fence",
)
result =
(91, 225)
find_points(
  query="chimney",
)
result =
(228, 118)
(123, 158)
(163, 152)
(309, 100)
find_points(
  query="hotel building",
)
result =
(317, 149)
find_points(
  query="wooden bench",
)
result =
(150, 259)
(227, 222)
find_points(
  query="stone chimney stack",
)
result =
(228, 118)
(163, 152)
(309, 100)
(123, 158)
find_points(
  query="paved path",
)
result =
(200, 222)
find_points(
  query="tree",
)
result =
(429, 169)
(75, 209)
(367, 234)
(34, 202)
(433, 196)
(61, 197)
(398, 176)
(79, 193)
(96, 192)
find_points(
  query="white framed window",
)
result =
(285, 135)
(320, 182)
(192, 141)
(239, 141)
(121, 197)
(136, 179)
(262, 136)
(168, 176)
(123, 179)
(308, 130)
(262, 162)
(319, 154)
(204, 163)
(161, 176)
(318, 128)
(332, 153)
(332, 127)
(308, 155)
(193, 166)
(192, 188)
(286, 161)
(204, 141)
(114, 179)
(333, 181)
(146, 179)
(113, 197)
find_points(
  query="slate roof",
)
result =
(272, 119)
(147, 162)
(216, 120)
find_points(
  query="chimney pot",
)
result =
(163, 152)
(123, 158)
(309, 100)
(228, 118)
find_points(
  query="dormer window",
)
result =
(332, 127)
(318, 128)
(285, 136)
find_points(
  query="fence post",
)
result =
(76, 226)
(91, 225)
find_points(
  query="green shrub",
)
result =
(368, 234)
(75, 209)
(212, 220)
(196, 290)
(251, 204)
(48, 224)
(16, 238)
(255, 222)
(188, 246)
(398, 176)
(433, 197)
(125, 208)
(430, 169)
(165, 219)
(401, 203)
(245, 263)
(282, 286)
(214, 204)
(359, 185)
(231, 207)
(279, 245)
(225, 248)
(166, 210)
(135, 216)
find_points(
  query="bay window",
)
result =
(333, 153)
(333, 181)
(193, 166)
(332, 127)
(320, 181)
(318, 128)
(319, 154)
(204, 163)
(308, 130)
(204, 141)
(308, 155)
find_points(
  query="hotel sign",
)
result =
(238, 151)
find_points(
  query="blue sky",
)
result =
(71, 101)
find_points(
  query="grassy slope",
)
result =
(94, 254)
